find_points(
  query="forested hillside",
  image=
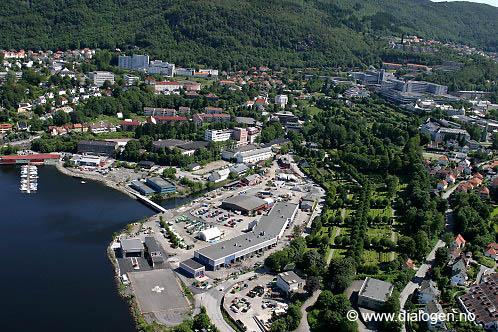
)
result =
(228, 33)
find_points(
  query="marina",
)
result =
(29, 179)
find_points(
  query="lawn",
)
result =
(313, 110)
(387, 212)
(382, 232)
(373, 257)
(494, 213)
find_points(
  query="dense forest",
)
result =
(232, 34)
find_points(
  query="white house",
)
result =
(219, 175)
(289, 282)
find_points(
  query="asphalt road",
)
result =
(211, 300)
(420, 275)
(303, 325)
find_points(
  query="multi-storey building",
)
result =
(99, 77)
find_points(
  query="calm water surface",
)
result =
(54, 270)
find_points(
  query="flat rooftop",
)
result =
(134, 244)
(267, 228)
(159, 296)
(192, 264)
(376, 289)
(160, 182)
(290, 277)
(139, 184)
(245, 202)
(151, 244)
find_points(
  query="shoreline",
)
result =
(124, 293)
(80, 175)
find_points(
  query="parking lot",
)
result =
(159, 296)
(253, 302)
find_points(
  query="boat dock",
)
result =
(29, 179)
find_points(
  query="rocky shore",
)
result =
(94, 177)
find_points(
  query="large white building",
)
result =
(267, 232)
(167, 87)
(163, 68)
(99, 77)
(217, 135)
(281, 100)
(254, 155)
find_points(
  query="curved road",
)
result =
(211, 300)
(304, 326)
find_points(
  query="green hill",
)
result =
(234, 33)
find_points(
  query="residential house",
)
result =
(492, 251)
(436, 314)
(428, 292)
(442, 185)
(459, 275)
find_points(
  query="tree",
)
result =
(201, 321)
(313, 263)
(330, 312)
(312, 284)
(61, 118)
(442, 257)
(392, 183)
(392, 305)
(341, 273)
(169, 173)
(406, 246)
(421, 244)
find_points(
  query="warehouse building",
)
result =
(142, 188)
(263, 236)
(153, 251)
(192, 268)
(246, 204)
(132, 247)
(160, 185)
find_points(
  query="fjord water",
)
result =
(54, 270)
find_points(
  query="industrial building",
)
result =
(132, 247)
(244, 203)
(92, 161)
(160, 185)
(38, 158)
(192, 268)
(248, 154)
(142, 188)
(268, 230)
(153, 251)
(374, 293)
